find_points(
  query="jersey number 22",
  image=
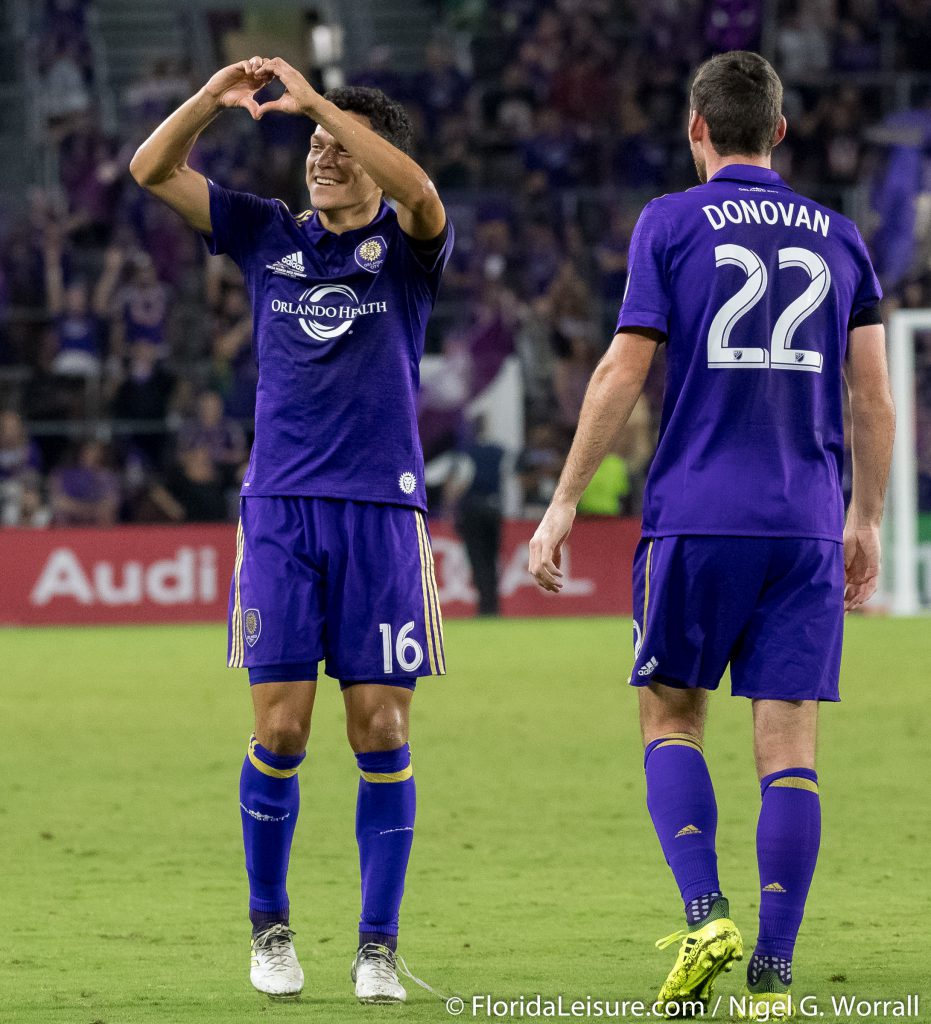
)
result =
(780, 355)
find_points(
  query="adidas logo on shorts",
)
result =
(290, 266)
(649, 667)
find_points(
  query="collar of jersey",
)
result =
(316, 230)
(750, 172)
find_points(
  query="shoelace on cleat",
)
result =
(380, 960)
(386, 965)
(669, 940)
(275, 945)
(405, 970)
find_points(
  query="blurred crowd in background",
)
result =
(127, 381)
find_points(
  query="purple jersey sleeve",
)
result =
(237, 219)
(646, 298)
(427, 259)
(868, 292)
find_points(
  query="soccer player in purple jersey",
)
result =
(766, 302)
(333, 556)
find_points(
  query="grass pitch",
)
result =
(535, 868)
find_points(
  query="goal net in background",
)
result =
(906, 573)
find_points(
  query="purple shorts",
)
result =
(350, 582)
(771, 607)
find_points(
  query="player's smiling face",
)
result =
(336, 180)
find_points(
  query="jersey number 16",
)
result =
(409, 652)
(780, 355)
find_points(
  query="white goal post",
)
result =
(900, 591)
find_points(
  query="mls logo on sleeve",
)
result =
(370, 254)
(252, 625)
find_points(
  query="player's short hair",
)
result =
(388, 118)
(740, 97)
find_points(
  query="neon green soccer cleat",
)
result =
(704, 953)
(767, 999)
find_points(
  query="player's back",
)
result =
(756, 288)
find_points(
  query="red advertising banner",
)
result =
(596, 565)
(138, 574)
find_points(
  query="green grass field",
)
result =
(535, 867)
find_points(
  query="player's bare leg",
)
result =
(681, 802)
(787, 839)
(270, 800)
(377, 723)
(668, 709)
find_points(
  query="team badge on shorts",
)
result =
(252, 625)
(370, 254)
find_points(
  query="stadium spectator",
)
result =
(78, 330)
(164, 86)
(85, 492)
(22, 503)
(144, 393)
(609, 489)
(18, 452)
(64, 89)
(221, 435)
(474, 491)
(138, 309)
(538, 468)
(193, 490)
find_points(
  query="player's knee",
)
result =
(283, 733)
(381, 728)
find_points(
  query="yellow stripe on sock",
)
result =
(236, 627)
(401, 776)
(266, 769)
(680, 743)
(794, 782)
(426, 599)
(681, 736)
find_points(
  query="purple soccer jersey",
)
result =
(339, 322)
(755, 288)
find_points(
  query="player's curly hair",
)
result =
(388, 118)
(740, 97)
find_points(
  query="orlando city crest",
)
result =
(370, 254)
(252, 625)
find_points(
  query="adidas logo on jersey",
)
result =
(689, 830)
(773, 887)
(649, 667)
(290, 266)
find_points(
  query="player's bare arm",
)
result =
(873, 427)
(612, 394)
(160, 164)
(420, 211)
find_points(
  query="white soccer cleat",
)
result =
(275, 969)
(376, 975)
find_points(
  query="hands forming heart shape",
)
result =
(237, 85)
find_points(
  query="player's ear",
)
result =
(696, 126)
(780, 131)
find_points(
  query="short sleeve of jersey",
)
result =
(431, 256)
(868, 292)
(646, 300)
(236, 220)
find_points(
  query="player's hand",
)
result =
(546, 547)
(299, 97)
(236, 85)
(861, 563)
